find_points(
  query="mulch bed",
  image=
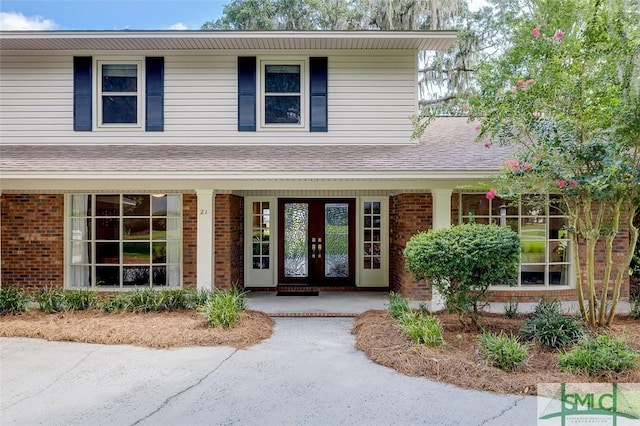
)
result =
(459, 362)
(155, 329)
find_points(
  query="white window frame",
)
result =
(140, 93)
(303, 63)
(70, 238)
(521, 214)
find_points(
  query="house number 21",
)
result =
(204, 211)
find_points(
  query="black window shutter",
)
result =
(246, 94)
(82, 102)
(154, 104)
(318, 121)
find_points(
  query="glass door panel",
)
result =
(336, 237)
(296, 237)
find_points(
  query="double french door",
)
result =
(316, 241)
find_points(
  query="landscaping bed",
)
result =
(168, 329)
(458, 360)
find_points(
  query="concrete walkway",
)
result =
(308, 373)
(325, 304)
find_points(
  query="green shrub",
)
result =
(12, 300)
(602, 353)
(398, 305)
(223, 308)
(463, 261)
(50, 300)
(502, 351)
(420, 328)
(549, 326)
(80, 300)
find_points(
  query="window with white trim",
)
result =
(124, 240)
(119, 93)
(545, 247)
(282, 98)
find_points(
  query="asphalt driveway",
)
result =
(308, 373)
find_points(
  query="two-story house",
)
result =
(270, 160)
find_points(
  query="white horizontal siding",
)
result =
(370, 101)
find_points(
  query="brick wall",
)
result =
(409, 214)
(229, 241)
(32, 240)
(189, 240)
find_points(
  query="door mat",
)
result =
(297, 293)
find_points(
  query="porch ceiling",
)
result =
(447, 147)
(224, 40)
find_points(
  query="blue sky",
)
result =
(107, 14)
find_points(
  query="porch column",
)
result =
(441, 219)
(205, 250)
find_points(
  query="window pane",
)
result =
(136, 229)
(107, 205)
(558, 251)
(475, 205)
(532, 274)
(534, 205)
(107, 276)
(558, 228)
(81, 229)
(108, 229)
(135, 205)
(80, 205)
(119, 78)
(159, 252)
(499, 205)
(80, 252)
(174, 205)
(119, 109)
(159, 231)
(135, 253)
(135, 275)
(159, 205)
(159, 277)
(282, 79)
(559, 275)
(107, 253)
(282, 109)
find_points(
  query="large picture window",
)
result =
(125, 240)
(545, 257)
(119, 93)
(282, 94)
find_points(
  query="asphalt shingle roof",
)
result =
(447, 145)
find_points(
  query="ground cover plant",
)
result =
(593, 355)
(551, 327)
(502, 351)
(145, 317)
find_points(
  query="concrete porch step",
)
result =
(326, 304)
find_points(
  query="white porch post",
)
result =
(441, 219)
(205, 250)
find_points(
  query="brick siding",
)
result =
(32, 240)
(408, 214)
(229, 241)
(189, 240)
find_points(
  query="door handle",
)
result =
(313, 251)
(319, 251)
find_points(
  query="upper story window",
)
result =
(119, 94)
(282, 101)
(282, 93)
(545, 248)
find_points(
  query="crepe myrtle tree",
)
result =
(566, 92)
(463, 261)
